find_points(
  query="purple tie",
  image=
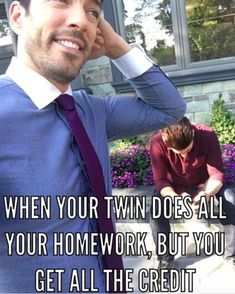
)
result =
(95, 175)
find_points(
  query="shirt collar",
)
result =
(40, 90)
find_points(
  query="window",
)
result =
(5, 37)
(193, 41)
(6, 47)
(211, 29)
(150, 24)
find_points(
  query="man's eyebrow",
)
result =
(98, 2)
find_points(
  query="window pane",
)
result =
(5, 36)
(149, 22)
(211, 29)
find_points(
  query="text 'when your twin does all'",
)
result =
(132, 207)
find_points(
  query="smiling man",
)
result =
(44, 154)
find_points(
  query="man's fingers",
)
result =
(96, 47)
(99, 40)
(195, 207)
(196, 199)
(98, 31)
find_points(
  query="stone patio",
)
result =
(212, 273)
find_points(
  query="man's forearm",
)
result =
(212, 187)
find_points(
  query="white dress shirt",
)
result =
(42, 92)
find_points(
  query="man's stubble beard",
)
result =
(51, 68)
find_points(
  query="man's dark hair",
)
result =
(178, 136)
(25, 3)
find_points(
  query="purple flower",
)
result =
(131, 165)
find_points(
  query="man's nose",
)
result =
(77, 17)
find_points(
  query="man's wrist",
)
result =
(120, 49)
(128, 64)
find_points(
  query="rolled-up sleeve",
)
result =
(159, 165)
(215, 166)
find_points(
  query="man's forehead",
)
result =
(98, 1)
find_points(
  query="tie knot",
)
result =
(66, 102)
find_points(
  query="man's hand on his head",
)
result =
(108, 42)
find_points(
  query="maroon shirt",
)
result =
(187, 174)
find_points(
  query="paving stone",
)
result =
(213, 273)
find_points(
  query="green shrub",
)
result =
(122, 144)
(222, 122)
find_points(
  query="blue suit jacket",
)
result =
(38, 157)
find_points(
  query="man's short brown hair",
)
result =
(25, 3)
(178, 136)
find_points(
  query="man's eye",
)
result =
(62, 1)
(94, 14)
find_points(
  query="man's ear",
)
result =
(16, 14)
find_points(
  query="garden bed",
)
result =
(131, 165)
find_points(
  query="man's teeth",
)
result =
(69, 44)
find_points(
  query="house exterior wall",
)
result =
(97, 75)
(200, 98)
